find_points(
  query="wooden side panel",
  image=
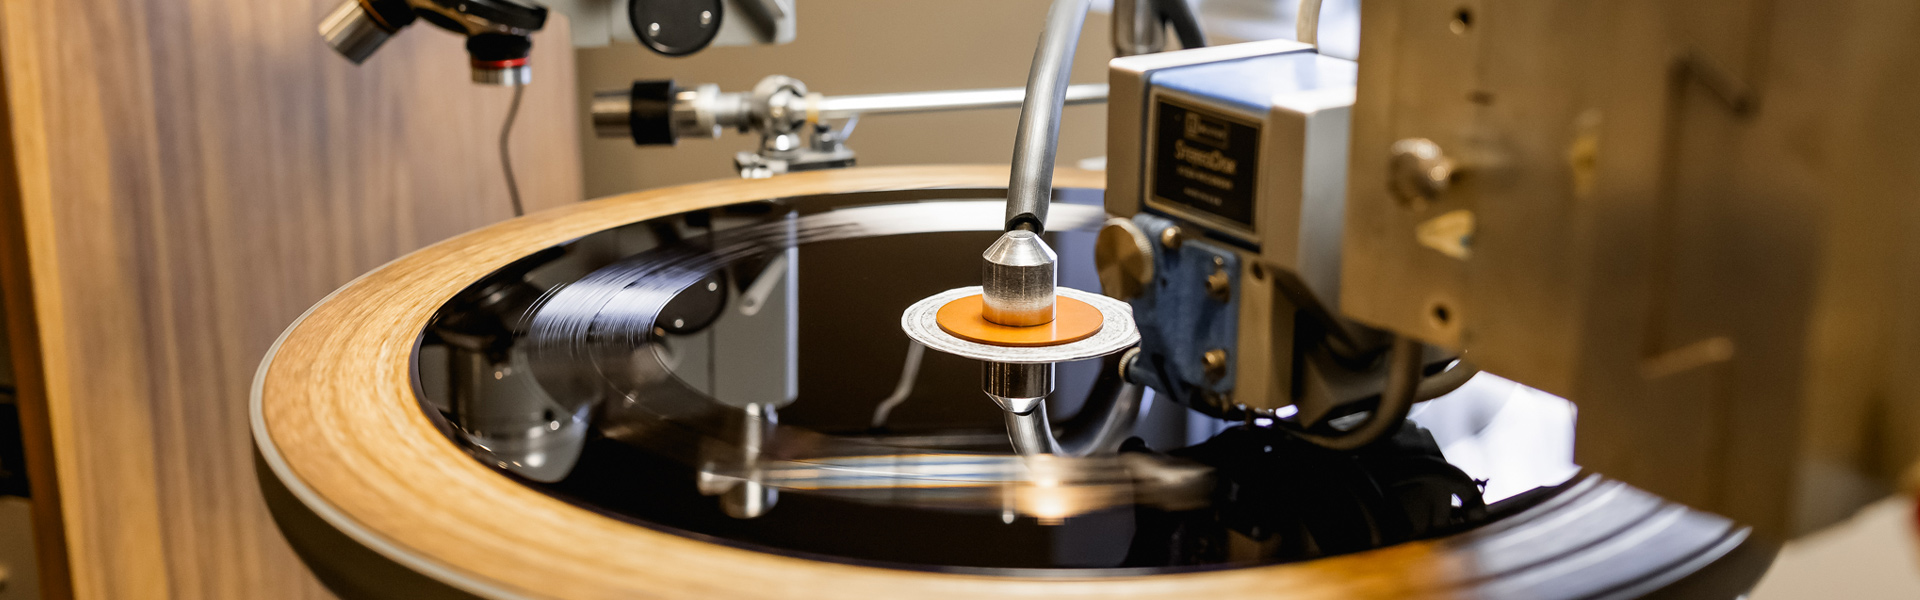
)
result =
(192, 176)
(18, 292)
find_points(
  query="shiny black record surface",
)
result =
(740, 376)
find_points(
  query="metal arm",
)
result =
(704, 111)
(840, 107)
(782, 111)
(1038, 139)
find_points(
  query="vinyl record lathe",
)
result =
(1318, 330)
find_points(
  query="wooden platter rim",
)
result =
(343, 464)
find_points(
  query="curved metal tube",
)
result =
(1103, 423)
(1030, 432)
(1306, 22)
(909, 373)
(1038, 140)
(1186, 25)
(1109, 425)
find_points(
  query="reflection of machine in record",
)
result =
(712, 372)
(640, 388)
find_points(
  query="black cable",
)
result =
(506, 154)
(1396, 400)
(1185, 25)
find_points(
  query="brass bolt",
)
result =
(1170, 238)
(1419, 171)
(1218, 286)
(1215, 361)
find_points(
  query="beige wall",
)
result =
(859, 47)
(1871, 556)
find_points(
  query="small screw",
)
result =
(1419, 170)
(1170, 238)
(1215, 361)
(1439, 316)
(1219, 287)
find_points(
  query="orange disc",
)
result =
(1073, 320)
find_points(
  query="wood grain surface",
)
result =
(186, 178)
(337, 413)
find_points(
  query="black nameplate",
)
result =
(1205, 161)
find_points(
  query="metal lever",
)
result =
(665, 112)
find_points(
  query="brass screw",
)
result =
(1215, 361)
(1170, 237)
(1419, 171)
(1218, 285)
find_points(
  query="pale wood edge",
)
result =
(335, 418)
(25, 256)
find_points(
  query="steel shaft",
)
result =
(1038, 140)
(1017, 387)
(840, 107)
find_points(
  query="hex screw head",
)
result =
(1215, 361)
(1219, 286)
(1171, 237)
(1419, 170)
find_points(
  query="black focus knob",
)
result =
(650, 112)
(498, 47)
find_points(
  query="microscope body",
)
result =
(1667, 219)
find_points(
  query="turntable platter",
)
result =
(703, 391)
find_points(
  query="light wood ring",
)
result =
(336, 421)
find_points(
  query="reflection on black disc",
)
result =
(739, 376)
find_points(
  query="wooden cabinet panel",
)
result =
(187, 178)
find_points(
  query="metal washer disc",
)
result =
(1117, 331)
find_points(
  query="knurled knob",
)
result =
(1124, 258)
